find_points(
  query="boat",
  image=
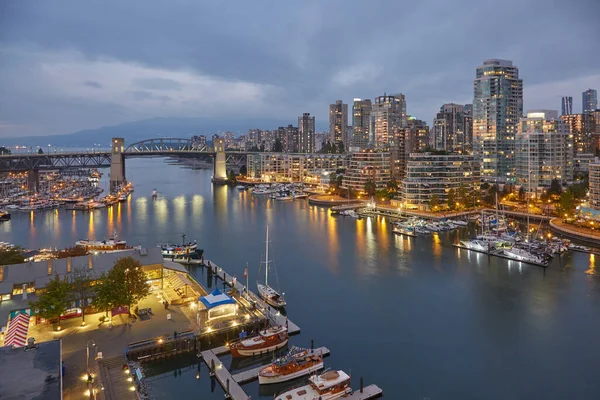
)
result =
(284, 197)
(327, 386)
(123, 197)
(154, 193)
(270, 295)
(404, 231)
(170, 251)
(298, 362)
(191, 258)
(478, 245)
(241, 187)
(270, 339)
(519, 254)
(103, 245)
(300, 196)
(4, 215)
(577, 247)
(458, 222)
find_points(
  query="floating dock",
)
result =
(498, 253)
(369, 392)
(216, 367)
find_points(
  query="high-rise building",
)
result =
(368, 165)
(543, 150)
(229, 138)
(306, 133)
(338, 123)
(450, 128)
(429, 175)
(583, 129)
(361, 120)
(388, 116)
(497, 108)
(199, 140)
(566, 105)
(589, 101)
(594, 179)
(416, 135)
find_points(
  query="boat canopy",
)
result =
(216, 298)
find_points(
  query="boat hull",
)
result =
(249, 352)
(266, 380)
(277, 303)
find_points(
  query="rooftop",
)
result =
(32, 374)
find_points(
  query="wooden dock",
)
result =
(231, 387)
(252, 374)
(368, 392)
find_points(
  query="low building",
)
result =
(293, 167)
(368, 165)
(581, 163)
(594, 180)
(218, 305)
(431, 174)
(543, 151)
(33, 373)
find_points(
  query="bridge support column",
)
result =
(33, 180)
(117, 164)
(220, 165)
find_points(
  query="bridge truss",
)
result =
(167, 145)
(21, 162)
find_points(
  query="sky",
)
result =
(71, 65)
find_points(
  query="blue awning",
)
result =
(216, 298)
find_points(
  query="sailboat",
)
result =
(270, 295)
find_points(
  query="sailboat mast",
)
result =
(267, 258)
(497, 217)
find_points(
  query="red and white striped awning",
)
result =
(16, 333)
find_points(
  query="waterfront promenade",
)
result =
(589, 235)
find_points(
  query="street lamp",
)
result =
(87, 353)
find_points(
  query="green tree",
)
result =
(54, 300)
(81, 286)
(40, 151)
(485, 186)
(339, 181)
(434, 202)
(567, 204)
(332, 180)
(231, 176)
(243, 170)
(555, 187)
(490, 197)
(521, 193)
(451, 199)
(340, 147)
(12, 255)
(105, 298)
(129, 282)
(464, 197)
(323, 145)
(370, 187)
(278, 146)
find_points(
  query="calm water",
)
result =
(416, 316)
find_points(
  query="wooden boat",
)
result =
(270, 295)
(298, 362)
(327, 386)
(267, 340)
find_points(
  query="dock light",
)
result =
(132, 388)
(160, 341)
(234, 323)
(126, 370)
(247, 316)
(86, 393)
(129, 379)
(197, 376)
(193, 305)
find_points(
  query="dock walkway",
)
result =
(369, 392)
(252, 374)
(223, 376)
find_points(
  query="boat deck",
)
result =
(498, 253)
(251, 374)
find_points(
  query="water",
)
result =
(418, 317)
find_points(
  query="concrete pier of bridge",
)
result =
(220, 166)
(33, 180)
(117, 164)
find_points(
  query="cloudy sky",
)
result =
(69, 65)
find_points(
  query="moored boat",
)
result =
(103, 245)
(327, 386)
(270, 295)
(270, 339)
(298, 362)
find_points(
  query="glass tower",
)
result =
(589, 101)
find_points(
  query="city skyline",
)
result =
(56, 80)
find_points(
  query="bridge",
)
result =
(115, 158)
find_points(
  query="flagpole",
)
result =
(247, 295)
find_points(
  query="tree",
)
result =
(567, 204)
(40, 151)
(370, 187)
(4, 151)
(490, 197)
(555, 187)
(243, 170)
(332, 179)
(105, 298)
(278, 146)
(231, 176)
(339, 181)
(434, 202)
(11, 256)
(323, 144)
(464, 197)
(521, 193)
(54, 300)
(340, 147)
(451, 199)
(129, 282)
(81, 287)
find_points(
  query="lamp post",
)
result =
(94, 390)
(87, 353)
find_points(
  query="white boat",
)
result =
(270, 295)
(577, 247)
(478, 245)
(154, 193)
(123, 197)
(458, 222)
(241, 187)
(352, 214)
(300, 195)
(524, 255)
(283, 198)
(327, 386)
(102, 245)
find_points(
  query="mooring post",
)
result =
(312, 344)
(361, 384)
(227, 387)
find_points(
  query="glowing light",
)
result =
(132, 388)
(209, 329)
(160, 341)
(129, 379)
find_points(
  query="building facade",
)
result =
(368, 165)
(306, 133)
(451, 130)
(429, 174)
(416, 135)
(293, 167)
(388, 116)
(361, 123)
(594, 179)
(497, 109)
(338, 123)
(566, 105)
(544, 151)
(589, 101)
(583, 129)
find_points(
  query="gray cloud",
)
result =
(276, 59)
(93, 84)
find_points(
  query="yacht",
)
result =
(103, 245)
(4, 215)
(298, 362)
(327, 386)
(270, 295)
(525, 255)
(478, 245)
(123, 197)
(270, 339)
(458, 222)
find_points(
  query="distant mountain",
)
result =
(147, 129)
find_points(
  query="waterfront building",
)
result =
(589, 101)
(293, 167)
(449, 130)
(338, 123)
(368, 165)
(594, 180)
(596, 115)
(583, 129)
(388, 116)
(416, 135)
(306, 133)
(361, 122)
(497, 108)
(581, 163)
(566, 105)
(435, 174)
(544, 151)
